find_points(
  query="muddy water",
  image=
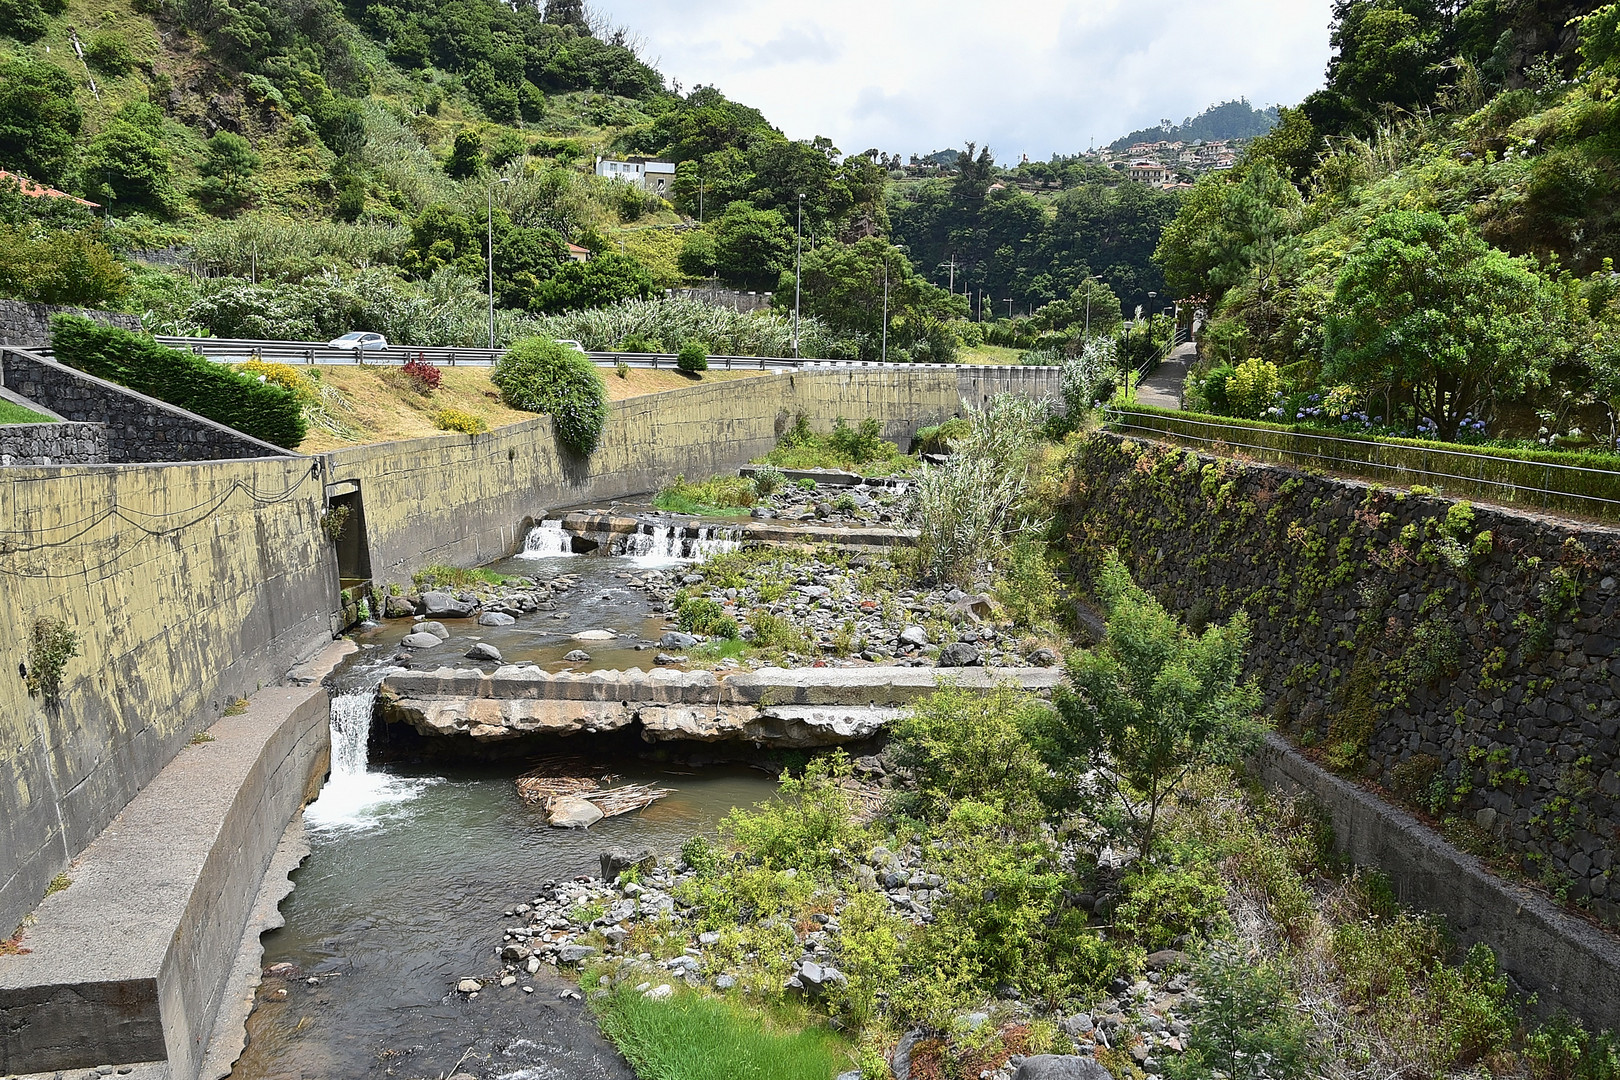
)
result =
(409, 871)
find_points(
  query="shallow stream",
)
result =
(409, 871)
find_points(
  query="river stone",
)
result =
(398, 607)
(900, 1061)
(484, 651)
(573, 954)
(958, 654)
(469, 986)
(914, 635)
(1061, 1067)
(430, 627)
(659, 993)
(616, 861)
(495, 618)
(442, 603)
(572, 812)
(676, 640)
(578, 656)
(421, 641)
(595, 635)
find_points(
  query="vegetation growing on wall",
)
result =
(539, 375)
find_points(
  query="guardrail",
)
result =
(237, 350)
(1547, 485)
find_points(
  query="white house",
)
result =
(654, 177)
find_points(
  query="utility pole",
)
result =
(953, 273)
(1009, 304)
(1088, 307)
(489, 259)
(798, 264)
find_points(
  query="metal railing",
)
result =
(237, 350)
(1547, 484)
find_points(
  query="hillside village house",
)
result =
(653, 177)
(1151, 172)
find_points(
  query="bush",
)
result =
(693, 357)
(1242, 1024)
(263, 410)
(962, 744)
(108, 54)
(1252, 386)
(456, 420)
(424, 377)
(1162, 905)
(285, 376)
(60, 268)
(538, 375)
(768, 479)
(700, 615)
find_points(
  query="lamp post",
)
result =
(1088, 307)
(798, 260)
(902, 249)
(1009, 304)
(489, 251)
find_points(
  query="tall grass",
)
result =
(671, 323)
(688, 1037)
(287, 249)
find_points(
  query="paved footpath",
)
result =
(1164, 387)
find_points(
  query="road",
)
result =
(1164, 387)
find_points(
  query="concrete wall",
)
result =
(188, 586)
(53, 444)
(465, 500)
(138, 428)
(735, 299)
(30, 324)
(1568, 964)
(1467, 660)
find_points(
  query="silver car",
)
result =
(359, 339)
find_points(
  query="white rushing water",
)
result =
(660, 545)
(546, 541)
(355, 797)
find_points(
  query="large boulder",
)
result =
(430, 627)
(495, 618)
(677, 640)
(958, 654)
(446, 606)
(616, 861)
(420, 640)
(398, 607)
(914, 635)
(572, 812)
(484, 651)
(1061, 1067)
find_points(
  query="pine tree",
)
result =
(566, 13)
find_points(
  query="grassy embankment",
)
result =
(12, 413)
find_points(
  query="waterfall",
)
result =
(547, 541)
(660, 543)
(355, 797)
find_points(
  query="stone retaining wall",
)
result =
(53, 444)
(138, 428)
(30, 324)
(1466, 659)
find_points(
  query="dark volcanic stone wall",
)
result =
(53, 444)
(1463, 658)
(30, 324)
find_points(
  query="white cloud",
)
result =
(1035, 77)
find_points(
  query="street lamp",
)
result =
(489, 259)
(1009, 303)
(798, 260)
(902, 249)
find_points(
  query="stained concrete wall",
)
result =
(466, 500)
(188, 586)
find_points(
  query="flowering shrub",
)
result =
(424, 377)
(1252, 386)
(456, 420)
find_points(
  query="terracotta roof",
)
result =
(40, 191)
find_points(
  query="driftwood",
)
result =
(552, 778)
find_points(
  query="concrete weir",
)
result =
(795, 708)
(130, 963)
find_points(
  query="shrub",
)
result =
(538, 375)
(1242, 1024)
(51, 645)
(286, 376)
(457, 420)
(262, 410)
(693, 357)
(700, 615)
(860, 445)
(60, 268)
(1162, 905)
(776, 632)
(799, 829)
(637, 343)
(108, 54)
(423, 376)
(768, 480)
(1252, 386)
(961, 744)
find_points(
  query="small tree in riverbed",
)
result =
(1150, 705)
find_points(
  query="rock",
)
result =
(677, 640)
(428, 626)
(958, 654)
(484, 651)
(495, 618)
(469, 986)
(725, 982)
(572, 812)
(447, 606)
(900, 1060)
(421, 641)
(573, 954)
(398, 607)
(1043, 657)
(578, 656)
(914, 635)
(616, 861)
(663, 659)
(1166, 958)
(595, 635)
(1077, 1025)
(759, 513)
(1061, 1067)
(514, 953)
(659, 993)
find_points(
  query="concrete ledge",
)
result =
(1567, 963)
(130, 962)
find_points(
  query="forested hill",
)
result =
(1228, 120)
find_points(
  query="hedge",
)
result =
(262, 410)
(1578, 482)
(538, 375)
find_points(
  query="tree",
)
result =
(1224, 229)
(1091, 308)
(38, 119)
(60, 268)
(607, 279)
(466, 156)
(566, 13)
(227, 172)
(23, 20)
(441, 237)
(752, 247)
(843, 286)
(1151, 705)
(127, 163)
(1424, 302)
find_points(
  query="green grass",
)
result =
(455, 577)
(11, 413)
(719, 496)
(689, 1037)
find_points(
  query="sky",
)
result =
(1032, 77)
